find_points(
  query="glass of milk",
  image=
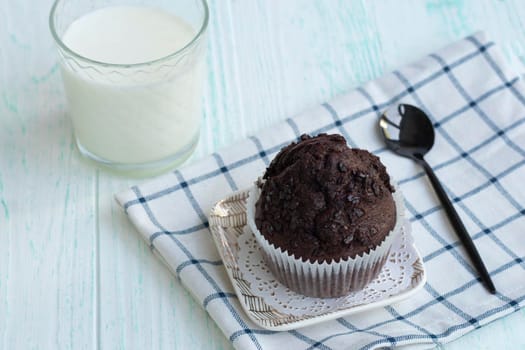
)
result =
(133, 73)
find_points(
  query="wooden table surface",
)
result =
(74, 274)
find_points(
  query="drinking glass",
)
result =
(140, 117)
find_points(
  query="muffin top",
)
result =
(322, 200)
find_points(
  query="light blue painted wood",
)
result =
(73, 273)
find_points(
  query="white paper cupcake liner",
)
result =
(326, 279)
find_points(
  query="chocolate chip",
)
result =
(348, 239)
(363, 235)
(358, 212)
(376, 189)
(353, 199)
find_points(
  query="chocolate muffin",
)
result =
(323, 206)
(323, 201)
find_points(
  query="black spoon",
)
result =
(408, 131)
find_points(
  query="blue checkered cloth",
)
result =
(477, 106)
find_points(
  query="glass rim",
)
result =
(75, 54)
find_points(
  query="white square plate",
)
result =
(227, 223)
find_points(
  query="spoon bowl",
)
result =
(409, 132)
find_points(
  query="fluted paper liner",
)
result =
(326, 279)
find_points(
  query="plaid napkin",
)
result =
(478, 108)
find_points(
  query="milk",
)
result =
(136, 114)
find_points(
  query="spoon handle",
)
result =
(456, 222)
